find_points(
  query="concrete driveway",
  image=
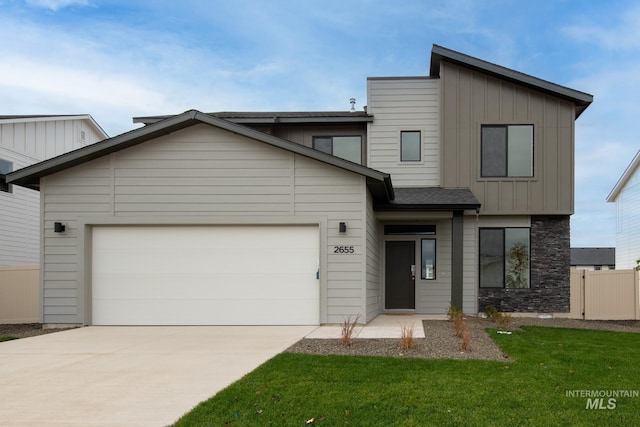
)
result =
(128, 376)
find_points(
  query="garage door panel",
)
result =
(142, 286)
(212, 261)
(207, 312)
(205, 275)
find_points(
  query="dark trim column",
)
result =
(457, 261)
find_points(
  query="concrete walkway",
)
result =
(383, 326)
(128, 376)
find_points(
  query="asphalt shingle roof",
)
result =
(433, 198)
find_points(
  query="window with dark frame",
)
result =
(5, 167)
(506, 151)
(428, 267)
(409, 229)
(410, 146)
(504, 257)
(345, 147)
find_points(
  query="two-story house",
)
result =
(25, 140)
(452, 188)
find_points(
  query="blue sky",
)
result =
(119, 59)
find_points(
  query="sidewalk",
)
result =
(383, 326)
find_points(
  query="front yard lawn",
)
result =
(549, 382)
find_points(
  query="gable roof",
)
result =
(593, 256)
(47, 118)
(624, 179)
(379, 183)
(581, 99)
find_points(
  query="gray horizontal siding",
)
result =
(203, 171)
(410, 105)
(373, 263)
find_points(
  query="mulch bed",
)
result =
(442, 343)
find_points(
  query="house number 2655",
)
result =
(343, 250)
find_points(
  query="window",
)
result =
(507, 151)
(428, 259)
(345, 147)
(504, 257)
(597, 267)
(410, 146)
(409, 229)
(5, 168)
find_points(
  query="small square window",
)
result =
(410, 146)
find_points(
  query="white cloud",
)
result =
(55, 5)
(623, 34)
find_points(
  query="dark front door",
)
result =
(400, 288)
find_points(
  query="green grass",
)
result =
(291, 389)
(7, 338)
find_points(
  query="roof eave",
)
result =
(30, 176)
(626, 175)
(272, 120)
(581, 99)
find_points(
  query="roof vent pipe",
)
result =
(352, 101)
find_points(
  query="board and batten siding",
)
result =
(203, 175)
(404, 104)
(471, 99)
(24, 143)
(628, 224)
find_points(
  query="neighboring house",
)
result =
(626, 196)
(593, 258)
(25, 140)
(453, 188)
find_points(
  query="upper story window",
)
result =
(5, 167)
(507, 151)
(346, 147)
(410, 147)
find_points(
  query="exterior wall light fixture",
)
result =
(343, 227)
(59, 227)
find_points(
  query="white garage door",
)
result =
(205, 275)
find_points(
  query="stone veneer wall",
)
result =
(550, 272)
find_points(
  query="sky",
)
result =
(116, 60)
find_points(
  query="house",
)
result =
(593, 259)
(25, 140)
(626, 195)
(452, 188)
